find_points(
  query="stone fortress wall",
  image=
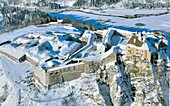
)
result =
(68, 73)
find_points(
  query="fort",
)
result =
(64, 58)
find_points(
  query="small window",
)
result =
(51, 73)
(56, 72)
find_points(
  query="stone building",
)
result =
(137, 48)
(145, 45)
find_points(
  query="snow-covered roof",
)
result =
(23, 40)
(75, 35)
(87, 34)
(32, 43)
(33, 31)
(48, 33)
(101, 47)
(108, 36)
(113, 37)
(51, 63)
(99, 57)
(17, 52)
(123, 31)
(122, 44)
(38, 57)
(69, 47)
(151, 47)
(62, 37)
(151, 36)
(45, 46)
(35, 34)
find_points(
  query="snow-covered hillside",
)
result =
(13, 77)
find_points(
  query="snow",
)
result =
(11, 69)
(32, 43)
(12, 51)
(31, 29)
(41, 46)
(83, 91)
(160, 23)
(51, 63)
(99, 57)
(22, 40)
(86, 34)
(38, 57)
(108, 37)
(68, 2)
(3, 83)
(13, 73)
(45, 46)
(100, 47)
(47, 50)
(122, 44)
(80, 92)
(122, 12)
(38, 43)
(151, 36)
(69, 49)
(84, 49)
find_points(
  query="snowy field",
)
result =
(161, 23)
